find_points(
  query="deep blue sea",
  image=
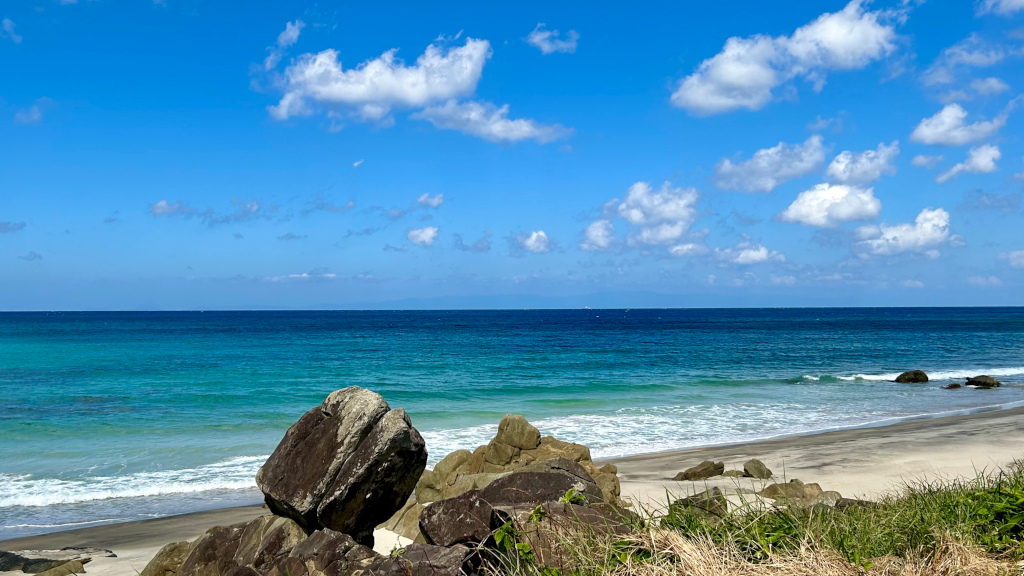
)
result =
(108, 417)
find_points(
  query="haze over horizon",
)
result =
(178, 154)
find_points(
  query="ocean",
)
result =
(109, 417)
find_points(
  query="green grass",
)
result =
(987, 511)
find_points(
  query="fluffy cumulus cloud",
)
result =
(660, 217)
(948, 127)
(598, 235)
(747, 70)
(7, 31)
(980, 160)
(970, 53)
(864, 167)
(929, 231)
(490, 122)
(550, 41)
(828, 205)
(770, 167)
(1015, 258)
(423, 236)
(1000, 7)
(536, 242)
(288, 37)
(926, 161)
(373, 88)
(746, 253)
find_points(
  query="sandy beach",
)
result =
(863, 462)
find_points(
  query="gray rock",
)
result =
(212, 553)
(953, 386)
(983, 382)
(167, 561)
(376, 480)
(912, 377)
(464, 519)
(539, 487)
(712, 501)
(306, 463)
(266, 539)
(515, 431)
(756, 469)
(702, 471)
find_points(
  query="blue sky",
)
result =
(188, 154)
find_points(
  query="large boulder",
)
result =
(982, 382)
(305, 465)
(754, 468)
(712, 501)
(912, 377)
(266, 539)
(213, 553)
(796, 493)
(168, 560)
(702, 471)
(376, 480)
(464, 519)
(537, 487)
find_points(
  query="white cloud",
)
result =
(536, 242)
(662, 216)
(984, 281)
(865, 167)
(782, 280)
(7, 31)
(746, 253)
(32, 115)
(929, 231)
(1016, 258)
(828, 205)
(1000, 7)
(288, 37)
(423, 236)
(912, 284)
(548, 41)
(770, 167)
(688, 249)
(947, 127)
(971, 52)
(925, 161)
(598, 236)
(989, 86)
(487, 121)
(370, 90)
(746, 71)
(430, 201)
(980, 160)
(358, 163)
(165, 208)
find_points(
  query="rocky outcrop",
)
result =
(912, 377)
(168, 560)
(517, 447)
(984, 382)
(347, 465)
(464, 519)
(712, 501)
(754, 468)
(702, 471)
(797, 494)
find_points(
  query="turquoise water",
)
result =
(116, 416)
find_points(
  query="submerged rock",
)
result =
(702, 471)
(912, 377)
(982, 382)
(754, 468)
(953, 386)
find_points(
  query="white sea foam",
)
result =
(231, 474)
(957, 374)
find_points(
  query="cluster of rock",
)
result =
(707, 469)
(517, 448)
(63, 562)
(793, 494)
(351, 463)
(917, 376)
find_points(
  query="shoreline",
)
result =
(864, 461)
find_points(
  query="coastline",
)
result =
(859, 462)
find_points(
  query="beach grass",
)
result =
(956, 526)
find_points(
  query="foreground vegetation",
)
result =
(973, 526)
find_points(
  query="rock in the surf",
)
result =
(754, 468)
(377, 479)
(347, 464)
(982, 382)
(702, 471)
(912, 377)
(953, 386)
